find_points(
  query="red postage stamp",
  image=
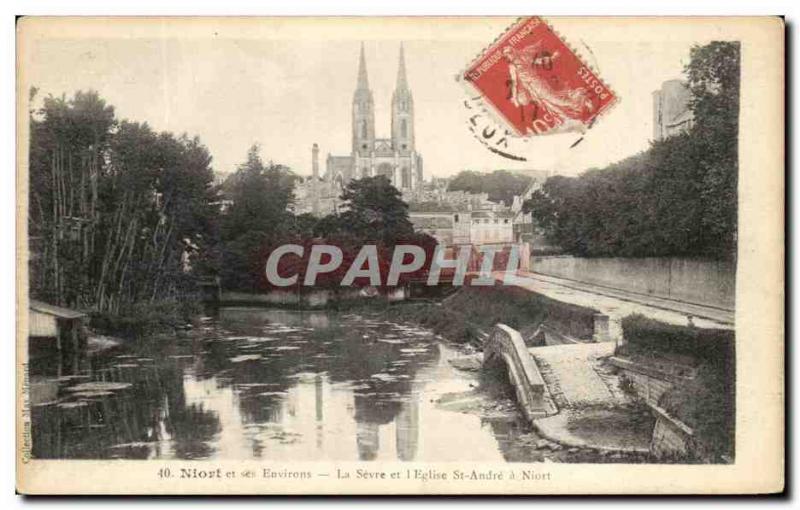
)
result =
(536, 84)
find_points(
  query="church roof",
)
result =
(338, 160)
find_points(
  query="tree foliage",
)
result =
(678, 198)
(501, 185)
(118, 213)
(260, 197)
(373, 212)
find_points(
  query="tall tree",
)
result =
(259, 215)
(714, 80)
(117, 211)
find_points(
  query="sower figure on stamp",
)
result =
(552, 107)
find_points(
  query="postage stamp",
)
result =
(536, 84)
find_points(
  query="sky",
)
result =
(286, 84)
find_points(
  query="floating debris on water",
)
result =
(72, 405)
(245, 357)
(271, 393)
(98, 386)
(92, 394)
(384, 377)
(392, 340)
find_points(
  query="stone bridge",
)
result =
(505, 349)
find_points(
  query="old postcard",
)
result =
(411, 255)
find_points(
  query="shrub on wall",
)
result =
(643, 334)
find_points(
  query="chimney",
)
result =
(315, 177)
(315, 161)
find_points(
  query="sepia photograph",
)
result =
(398, 255)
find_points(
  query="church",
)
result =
(395, 157)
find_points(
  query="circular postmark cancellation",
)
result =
(532, 83)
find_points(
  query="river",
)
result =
(252, 383)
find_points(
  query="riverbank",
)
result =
(670, 388)
(147, 319)
(469, 315)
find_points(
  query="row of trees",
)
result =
(678, 198)
(122, 215)
(117, 212)
(501, 185)
(259, 217)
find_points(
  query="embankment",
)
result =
(688, 376)
(469, 314)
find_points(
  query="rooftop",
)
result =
(57, 311)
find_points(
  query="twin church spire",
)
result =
(364, 140)
(363, 78)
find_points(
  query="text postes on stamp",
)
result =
(536, 84)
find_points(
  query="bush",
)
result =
(648, 335)
(462, 317)
(144, 319)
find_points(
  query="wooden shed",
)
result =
(63, 325)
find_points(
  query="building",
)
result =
(55, 330)
(395, 157)
(448, 227)
(491, 227)
(671, 111)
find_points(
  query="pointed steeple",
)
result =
(363, 82)
(402, 84)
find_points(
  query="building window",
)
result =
(403, 128)
(455, 218)
(364, 130)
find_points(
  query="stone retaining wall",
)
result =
(505, 345)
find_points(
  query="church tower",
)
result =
(363, 112)
(402, 111)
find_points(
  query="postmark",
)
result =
(535, 84)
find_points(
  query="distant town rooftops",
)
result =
(434, 207)
(492, 214)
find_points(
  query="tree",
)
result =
(260, 196)
(69, 139)
(118, 213)
(500, 185)
(713, 77)
(374, 212)
(678, 198)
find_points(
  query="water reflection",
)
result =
(269, 384)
